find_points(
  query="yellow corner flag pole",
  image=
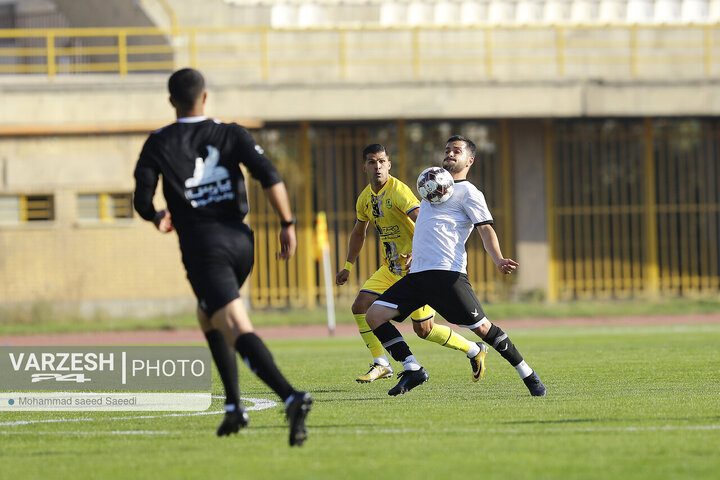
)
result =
(322, 253)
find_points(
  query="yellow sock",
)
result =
(371, 341)
(446, 337)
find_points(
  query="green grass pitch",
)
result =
(623, 402)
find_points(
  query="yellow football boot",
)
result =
(478, 362)
(376, 371)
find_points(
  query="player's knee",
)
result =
(362, 303)
(373, 318)
(422, 329)
(377, 315)
(205, 324)
(358, 307)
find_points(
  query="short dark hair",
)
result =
(373, 148)
(185, 86)
(469, 143)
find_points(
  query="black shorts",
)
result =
(449, 293)
(218, 257)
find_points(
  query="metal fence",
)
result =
(634, 207)
(265, 54)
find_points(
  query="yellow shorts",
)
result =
(381, 280)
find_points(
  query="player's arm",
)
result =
(357, 240)
(413, 214)
(261, 169)
(278, 197)
(492, 247)
(146, 179)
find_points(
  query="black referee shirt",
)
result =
(199, 160)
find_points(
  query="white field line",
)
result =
(663, 428)
(257, 404)
(110, 432)
(403, 431)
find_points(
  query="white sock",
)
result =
(410, 363)
(523, 369)
(382, 361)
(230, 407)
(474, 350)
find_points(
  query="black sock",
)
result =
(257, 356)
(226, 365)
(393, 341)
(499, 340)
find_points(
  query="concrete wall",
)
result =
(91, 265)
(144, 100)
(527, 151)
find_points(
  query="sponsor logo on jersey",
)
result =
(210, 182)
(375, 202)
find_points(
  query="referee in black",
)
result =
(199, 161)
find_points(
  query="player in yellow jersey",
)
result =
(392, 208)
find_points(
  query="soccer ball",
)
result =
(435, 185)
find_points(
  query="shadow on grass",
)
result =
(634, 420)
(555, 422)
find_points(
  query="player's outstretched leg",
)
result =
(504, 346)
(413, 373)
(444, 336)
(297, 404)
(297, 407)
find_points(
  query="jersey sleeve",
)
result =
(147, 173)
(476, 208)
(405, 199)
(253, 157)
(360, 209)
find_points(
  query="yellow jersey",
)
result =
(388, 211)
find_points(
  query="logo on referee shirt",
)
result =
(210, 182)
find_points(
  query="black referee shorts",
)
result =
(449, 293)
(218, 257)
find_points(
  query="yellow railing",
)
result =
(633, 208)
(371, 53)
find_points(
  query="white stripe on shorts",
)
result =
(476, 324)
(386, 304)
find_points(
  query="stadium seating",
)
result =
(529, 11)
(420, 13)
(294, 13)
(694, 10)
(667, 11)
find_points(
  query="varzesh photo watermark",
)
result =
(105, 378)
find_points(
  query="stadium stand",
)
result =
(495, 12)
